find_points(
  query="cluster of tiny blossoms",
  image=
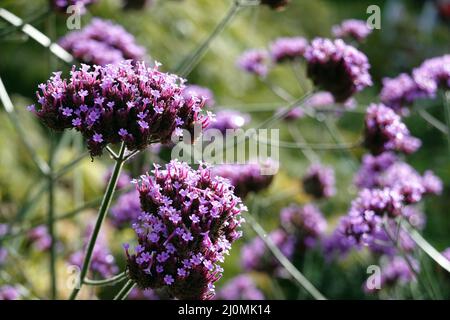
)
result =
(228, 119)
(241, 287)
(127, 102)
(126, 210)
(63, 5)
(319, 181)
(337, 67)
(188, 222)
(8, 292)
(353, 29)
(254, 61)
(200, 92)
(288, 49)
(102, 42)
(385, 131)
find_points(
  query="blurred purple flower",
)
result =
(352, 28)
(228, 119)
(254, 61)
(288, 49)
(319, 181)
(433, 74)
(241, 287)
(126, 210)
(8, 292)
(40, 238)
(63, 5)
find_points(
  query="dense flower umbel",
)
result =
(372, 167)
(189, 220)
(39, 238)
(63, 5)
(241, 287)
(400, 92)
(8, 292)
(433, 74)
(102, 42)
(352, 28)
(102, 262)
(127, 102)
(319, 181)
(245, 178)
(200, 92)
(337, 67)
(276, 4)
(306, 223)
(385, 131)
(229, 119)
(126, 210)
(254, 61)
(288, 49)
(143, 294)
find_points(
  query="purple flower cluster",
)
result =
(142, 294)
(8, 292)
(288, 49)
(372, 167)
(200, 92)
(352, 28)
(189, 221)
(337, 67)
(326, 99)
(102, 262)
(102, 42)
(292, 114)
(433, 74)
(385, 131)
(399, 92)
(241, 287)
(228, 119)
(63, 5)
(126, 210)
(319, 181)
(127, 102)
(245, 178)
(275, 4)
(40, 238)
(254, 61)
(306, 223)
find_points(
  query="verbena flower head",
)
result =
(8, 292)
(63, 5)
(288, 49)
(306, 223)
(102, 262)
(385, 131)
(337, 67)
(319, 181)
(414, 216)
(323, 99)
(241, 287)
(292, 114)
(245, 178)
(276, 4)
(190, 219)
(126, 210)
(433, 74)
(142, 294)
(369, 174)
(432, 183)
(256, 257)
(400, 92)
(200, 92)
(228, 119)
(352, 28)
(102, 42)
(254, 61)
(40, 238)
(127, 102)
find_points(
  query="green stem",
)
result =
(51, 221)
(290, 268)
(186, 66)
(106, 201)
(126, 289)
(446, 98)
(433, 121)
(111, 281)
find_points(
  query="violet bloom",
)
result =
(400, 92)
(324, 99)
(396, 272)
(241, 287)
(228, 119)
(254, 61)
(40, 238)
(102, 262)
(102, 42)
(385, 131)
(352, 28)
(63, 5)
(432, 183)
(126, 210)
(245, 178)
(142, 294)
(189, 221)
(200, 92)
(319, 181)
(446, 253)
(369, 174)
(433, 74)
(292, 114)
(256, 257)
(337, 67)
(8, 292)
(127, 102)
(288, 49)
(415, 217)
(275, 4)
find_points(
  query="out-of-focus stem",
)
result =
(126, 289)
(51, 221)
(446, 98)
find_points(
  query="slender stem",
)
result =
(309, 153)
(314, 146)
(126, 289)
(51, 221)
(290, 268)
(186, 66)
(446, 98)
(110, 281)
(432, 120)
(69, 166)
(106, 201)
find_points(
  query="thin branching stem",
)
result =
(106, 282)
(126, 289)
